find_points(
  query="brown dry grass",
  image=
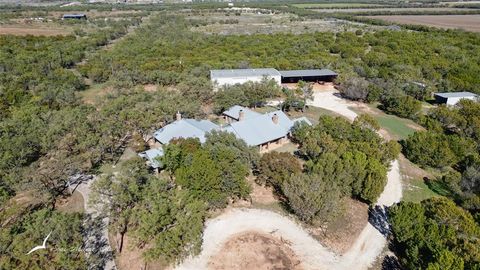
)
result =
(131, 256)
(71, 204)
(254, 250)
(23, 30)
(339, 234)
(465, 22)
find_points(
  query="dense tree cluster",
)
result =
(354, 156)
(342, 159)
(451, 140)
(36, 68)
(158, 52)
(249, 94)
(164, 213)
(214, 172)
(22, 231)
(435, 234)
(152, 210)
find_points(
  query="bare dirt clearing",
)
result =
(254, 250)
(465, 22)
(23, 30)
(339, 234)
(72, 204)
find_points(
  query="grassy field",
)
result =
(416, 186)
(416, 190)
(398, 127)
(387, 9)
(335, 5)
(250, 24)
(464, 22)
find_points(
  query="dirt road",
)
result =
(364, 251)
(97, 245)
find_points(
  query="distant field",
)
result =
(336, 5)
(248, 24)
(465, 22)
(387, 9)
(22, 30)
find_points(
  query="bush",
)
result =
(403, 106)
(312, 198)
(435, 149)
(355, 88)
(274, 168)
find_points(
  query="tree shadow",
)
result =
(391, 263)
(377, 216)
(438, 187)
(96, 243)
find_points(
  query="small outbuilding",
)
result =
(452, 98)
(74, 16)
(308, 75)
(152, 156)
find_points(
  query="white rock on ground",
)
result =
(364, 251)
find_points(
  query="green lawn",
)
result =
(416, 190)
(396, 126)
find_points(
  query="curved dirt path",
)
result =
(363, 252)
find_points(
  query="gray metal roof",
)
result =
(307, 73)
(233, 73)
(261, 129)
(185, 128)
(455, 94)
(302, 119)
(151, 155)
(234, 112)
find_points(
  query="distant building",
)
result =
(452, 98)
(227, 77)
(74, 16)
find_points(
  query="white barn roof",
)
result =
(234, 73)
(456, 94)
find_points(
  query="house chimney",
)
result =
(241, 115)
(275, 118)
(179, 116)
